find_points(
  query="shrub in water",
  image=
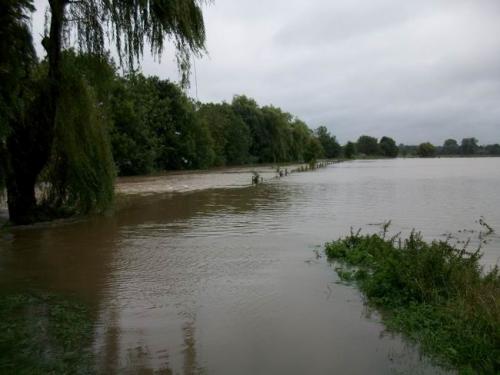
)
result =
(435, 293)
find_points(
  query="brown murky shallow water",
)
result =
(230, 280)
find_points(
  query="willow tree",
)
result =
(17, 58)
(65, 101)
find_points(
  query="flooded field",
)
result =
(182, 182)
(203, 273)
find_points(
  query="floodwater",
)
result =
(230, 280)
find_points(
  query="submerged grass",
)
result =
(436, 294)
(44, 335)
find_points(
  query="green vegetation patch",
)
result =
(436, 294)
(44, 335)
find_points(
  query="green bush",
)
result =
(435, 293)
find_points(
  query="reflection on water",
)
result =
(226, 281)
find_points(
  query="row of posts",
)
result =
(280, 172)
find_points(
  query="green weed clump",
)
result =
(436, 294)
(44, 335)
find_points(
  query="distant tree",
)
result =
(330, 145)
(493, 149)
(349, 150)
(229, 133)
(314, 150)
(276, 135)
(300, 139)
(426, 150)
(277, 124)
(184, 143)
(251, 114)
(133, 140)
(368, 145)
(217, 118)
(469, 146)
(238, 140)
(388, 147)
(450, 147)
(403, 150)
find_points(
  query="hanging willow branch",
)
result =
(132, 24)
(17, 57)
(81, 171)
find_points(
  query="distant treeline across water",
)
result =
(450, 147)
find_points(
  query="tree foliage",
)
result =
(450, 147)
(300, 139)
(469, 146)
(493, 149)
(44, 147)
(251, 114)
(229, 135)
(425, 150)
(17, 57)
(349, 150)
(157, 127)
(80, 172)
(331, 147)
(313, 151)
(134, 24)
(388, 147)
(368, 145)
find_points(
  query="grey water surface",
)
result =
(233, 280)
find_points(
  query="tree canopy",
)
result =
(388, 147)
(469, 146)
(331, 147)
(157, 127)
(426, 150)
(17, 57)
(368, 145)
(450, 147)
(349, 150)
(131, 25)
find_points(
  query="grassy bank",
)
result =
(434, 293)
(44, 335)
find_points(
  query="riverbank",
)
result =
(434, 293)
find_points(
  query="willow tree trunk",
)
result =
(30, 142)
(21, 175)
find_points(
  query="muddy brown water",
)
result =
(230, 280)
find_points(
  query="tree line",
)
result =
(155, 126)
(450, 147)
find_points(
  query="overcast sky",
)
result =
(418, 71)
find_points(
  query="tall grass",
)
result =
(435, 293)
